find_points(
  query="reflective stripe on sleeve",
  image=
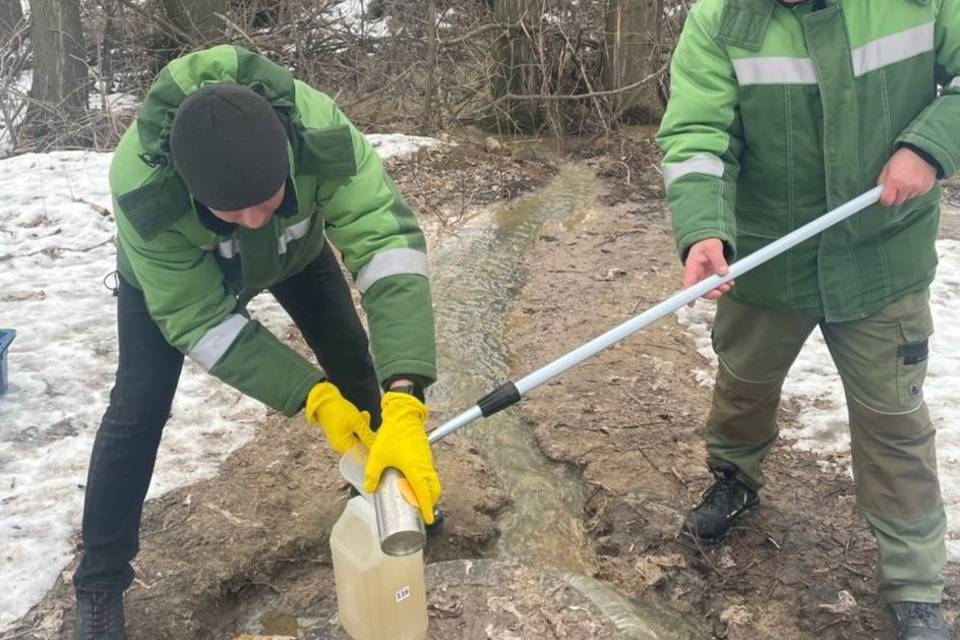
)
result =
(700, 163)
(229, 248)
(215, 342)
(391, 262)
(293, 232)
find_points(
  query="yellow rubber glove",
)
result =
(340, 420)
(402, 444)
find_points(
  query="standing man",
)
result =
(229, 182)
(781, 110)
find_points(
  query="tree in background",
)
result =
(197, 23)
(518, 70)
(110, 11)
(60, 85)
(11, 16)
(632, 50)
(13, 61)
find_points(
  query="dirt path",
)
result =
(631, 421)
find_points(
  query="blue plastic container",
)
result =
(6, 337)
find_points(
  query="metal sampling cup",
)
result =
(398, 516)
(399, 524)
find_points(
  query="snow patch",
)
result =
(114, 102)
(353, 13)
(389, 145)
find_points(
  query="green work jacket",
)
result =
(778, 114)
(197, 276)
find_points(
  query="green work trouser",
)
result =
(882, 360)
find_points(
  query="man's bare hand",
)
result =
(906, 175)
(705, 259)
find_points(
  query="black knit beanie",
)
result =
(229, 147)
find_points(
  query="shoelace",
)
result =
(722, 493)
(923, 612)
(99, 614)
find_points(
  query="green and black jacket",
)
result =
(779, 113)
(197, 277)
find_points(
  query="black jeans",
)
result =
(125, 450)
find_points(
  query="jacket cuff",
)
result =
(416, 370)
(933, 162)
(691, 238)
(942, 160)
(298, 395)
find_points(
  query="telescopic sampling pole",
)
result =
(399, 523)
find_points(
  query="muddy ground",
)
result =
(248, 550)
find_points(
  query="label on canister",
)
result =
(403, 594)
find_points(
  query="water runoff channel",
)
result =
(476, 272)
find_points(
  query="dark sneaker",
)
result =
(99, 616)
(919, 621)
(708, 524)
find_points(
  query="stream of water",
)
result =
(476, 273)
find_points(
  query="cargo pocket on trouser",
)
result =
(913, 352)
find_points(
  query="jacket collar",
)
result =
(743, 23)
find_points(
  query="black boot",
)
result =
(708, 523)
(919, 621)
(99, 616)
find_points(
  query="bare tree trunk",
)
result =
(11, 13)
(107, 44)
(517, 69)
(631, 54)
(426, 125)
(60, 80)
(13, 60)
(196, 21)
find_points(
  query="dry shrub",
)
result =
(375, 64)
